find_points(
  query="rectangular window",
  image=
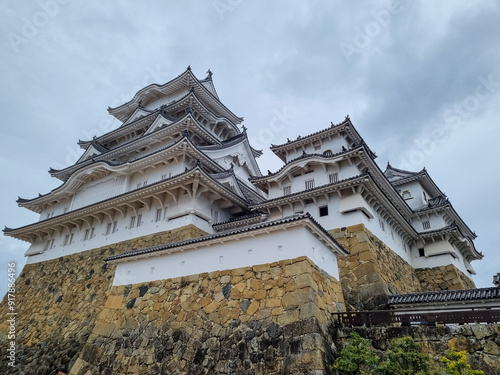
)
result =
(139, 220)
(158, 214)
(66, 240)
(309, 184)
(165, 210)
(421, 252)
(92, 232)
(108, 228)
(215, 215)
(52, 244)
(287, 190)
(145, 183)
(381, 223)
(86, 236)
(115, 224)
(132, 222)
(334, 177)
(323, 211)
(139, 186)
(163, 176)
(71, 238)
(46, 245)
(426, 224)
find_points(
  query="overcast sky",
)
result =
(420, 81)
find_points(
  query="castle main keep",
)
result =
(166, 250)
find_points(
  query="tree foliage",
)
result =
(455, 363)
(356, 358)
(403, 358)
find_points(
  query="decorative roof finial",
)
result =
(191, 89)
(197, 163)
(188, 68)
(347, 118)
(231, 168)
(185, 133)
(209, 72)
(189, 110)
(244, 128)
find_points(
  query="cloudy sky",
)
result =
(420, 81)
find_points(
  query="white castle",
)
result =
(181, 157)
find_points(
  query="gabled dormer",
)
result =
(92, 149)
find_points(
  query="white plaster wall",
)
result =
(55, 209)
(262, 249)
(97, 191)
(335, 145)
(152, 175)
(167, 99)
(416, 190)
(435, 220)
(318, 174)
(439, 260)
(123, 233)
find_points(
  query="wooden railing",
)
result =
(379, 317)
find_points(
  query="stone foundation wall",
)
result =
(372, 271)
(443, 278)
(480, 341)
(58, 302)
(264, 319)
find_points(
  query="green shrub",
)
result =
(455, 363)
(404, 358)
(356, 358)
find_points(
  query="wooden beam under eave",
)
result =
(154, 196)
(121, 210)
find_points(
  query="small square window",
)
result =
(421, 252)
(323, 211)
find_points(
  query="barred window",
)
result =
(334, 177)
(309, 184)
(287, 190)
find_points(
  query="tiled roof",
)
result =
(445, 296)
(226, 234)
(345, 122)
(304, 155)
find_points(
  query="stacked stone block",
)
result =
(264, 319)
(58, 302)
(443, 278)
(371, 271)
